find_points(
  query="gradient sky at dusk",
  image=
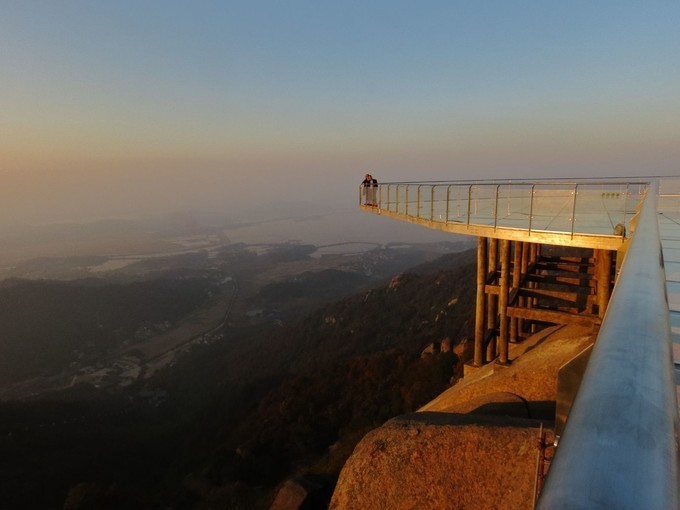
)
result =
(113, 107)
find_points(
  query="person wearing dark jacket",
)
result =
(370, 186)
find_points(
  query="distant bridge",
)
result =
(600, 253)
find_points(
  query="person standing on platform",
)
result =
(370, 186)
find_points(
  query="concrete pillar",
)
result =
(503, 301)
(481, 299)
(492, 301)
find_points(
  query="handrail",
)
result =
(573, 210)
(531, 206)
(542, 181)
(547, 180)
(619, 447)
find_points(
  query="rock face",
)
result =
(465, 349)
(532, 374)
(445, 345)
(291, 496)
(395, 281)
(302, 493)
(429, 350)
(473, 447)
(442, 461)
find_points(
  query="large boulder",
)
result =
(442, 461)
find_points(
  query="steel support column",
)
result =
(492, 303)
(481, 301)
(516, 276)
(533, 302)
(523, 278)
(603, 260)
(503, 301)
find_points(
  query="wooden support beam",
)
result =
(553, 316)
(581, 290)
(493, 290)
(558, 258)
(572, 296)
(567, 268)
(481, 301)
(565, 274)
(567, 280)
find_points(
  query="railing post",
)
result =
(469, 203)
(396, 206)
(448, 197)
(626, 227)
(509, 199)
(406, 201)
(432, 203)
(418, 201)
(495, 208)
(531, 208)
(573, 211)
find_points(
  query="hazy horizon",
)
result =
(125, 109)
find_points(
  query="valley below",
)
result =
(211, 372)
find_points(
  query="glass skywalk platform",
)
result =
(582, 213)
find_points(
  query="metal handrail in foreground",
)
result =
(619, 447)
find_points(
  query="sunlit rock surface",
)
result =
(473, 447)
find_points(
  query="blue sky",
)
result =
(124, 106)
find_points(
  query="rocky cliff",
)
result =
(474, 446)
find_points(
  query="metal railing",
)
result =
(602, 208)
(619, 448)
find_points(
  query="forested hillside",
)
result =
(235, 419)
(47, 325)
(296, 399)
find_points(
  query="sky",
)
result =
(135, 107)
